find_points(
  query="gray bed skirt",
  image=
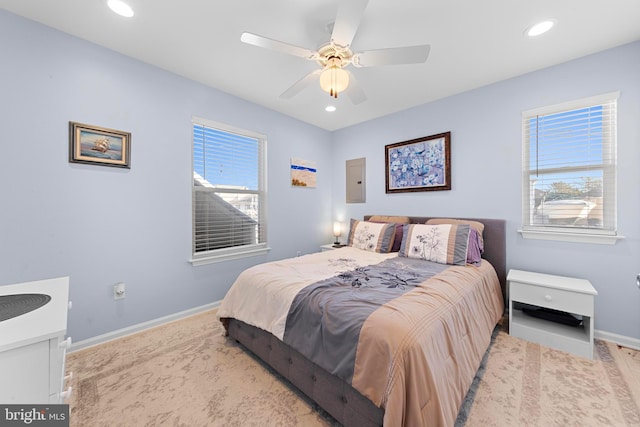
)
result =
(339, 399)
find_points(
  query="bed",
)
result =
(401, 337)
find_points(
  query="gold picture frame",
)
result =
(96, 145)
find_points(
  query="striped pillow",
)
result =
(444, 244)
(371, 236)
(398, 221)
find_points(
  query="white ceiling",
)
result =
(473, 43)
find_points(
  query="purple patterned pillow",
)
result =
(475, 248)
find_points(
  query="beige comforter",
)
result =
(416, 355)
(430, 356)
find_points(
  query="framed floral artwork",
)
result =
(422, 164)
(99, 146)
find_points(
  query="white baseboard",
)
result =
(101, 339)
(618, 339)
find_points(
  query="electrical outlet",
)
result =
(118, 291)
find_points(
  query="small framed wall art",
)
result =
(422, 164)
(99, 146)
(303, 173)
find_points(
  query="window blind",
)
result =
(228, 189)
(569, 166)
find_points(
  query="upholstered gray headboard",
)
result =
(494, 244)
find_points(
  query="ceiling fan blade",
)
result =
(347, 21)
(392, 56)
(279, 46)
(354, 91)
(301, 84)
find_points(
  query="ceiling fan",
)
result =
(335, 55)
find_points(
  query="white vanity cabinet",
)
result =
(33, 346)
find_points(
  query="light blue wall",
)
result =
(486, 164)
(103, 225)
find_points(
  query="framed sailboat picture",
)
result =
(99, 146)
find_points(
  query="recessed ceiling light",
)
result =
(330, 108)
(121, 8)
(540, 28)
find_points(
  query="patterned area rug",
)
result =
(186, 373)
(526, 384)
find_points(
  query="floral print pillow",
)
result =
(444, 244)
(371, 236)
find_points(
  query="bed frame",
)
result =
(339, 399)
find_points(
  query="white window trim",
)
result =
(228, 254)
(604, 237)
(571, 105)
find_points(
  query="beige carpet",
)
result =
(526, 384)
(186, 373)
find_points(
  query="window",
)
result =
(229, 192)
(569, 171)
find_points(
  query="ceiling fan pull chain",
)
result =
(334, 81)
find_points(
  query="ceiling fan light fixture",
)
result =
(334, 79)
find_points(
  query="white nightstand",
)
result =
(328, 247)
(574, 296)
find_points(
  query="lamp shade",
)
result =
(337, 229)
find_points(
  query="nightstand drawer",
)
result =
(558, 299)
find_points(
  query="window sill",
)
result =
(227, 256)
(601, 239)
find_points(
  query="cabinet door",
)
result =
(25, 374)
(58, 351)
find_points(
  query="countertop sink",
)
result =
(18, 304)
